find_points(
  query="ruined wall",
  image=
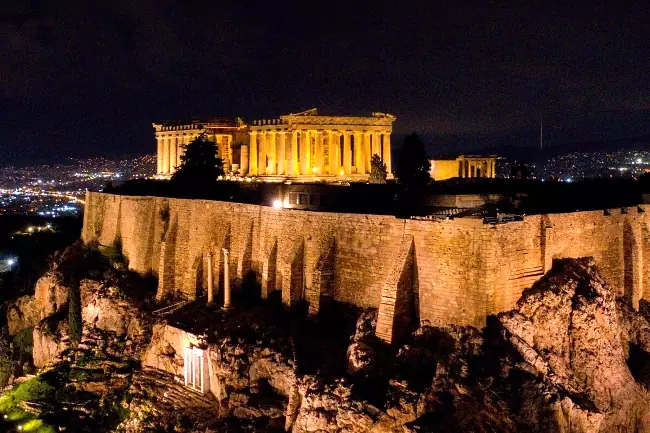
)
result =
(459, 271)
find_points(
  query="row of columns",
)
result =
(314, 152)
(171, 148)
(477, 168)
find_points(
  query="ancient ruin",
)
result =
(454, 271)
(305, 146)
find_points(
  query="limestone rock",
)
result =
(360, 358)
(21, 314)
(569, 327)
(361, 354)
(105, 314)
(50, 293)
(47, 342)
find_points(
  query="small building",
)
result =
(464, 166)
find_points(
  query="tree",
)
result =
(378, 171)
(413, 164)
(200, 164)
(74, 312)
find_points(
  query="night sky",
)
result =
(86, 78)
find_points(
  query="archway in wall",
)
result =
(297, 282)
(271, 283)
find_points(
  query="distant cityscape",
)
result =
(59, 190)
(579, 166)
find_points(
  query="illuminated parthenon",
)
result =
(172, 137)
(303, 145)
(309, 145)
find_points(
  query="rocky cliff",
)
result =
(571, 358)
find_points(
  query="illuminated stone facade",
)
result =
(171, 137)
(452, 271)
(465, 166)
(307, 145)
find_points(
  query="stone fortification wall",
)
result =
(456, 271)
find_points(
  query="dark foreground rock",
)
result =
(571, 358)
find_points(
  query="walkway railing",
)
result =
(165, 311)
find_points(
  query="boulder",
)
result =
(22, 313)
(50, 293)
(107, 315)
(47, 344)
(569, 327)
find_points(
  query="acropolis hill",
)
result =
(457, 271)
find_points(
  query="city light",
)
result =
(277, 204)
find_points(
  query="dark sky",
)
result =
(87, 77)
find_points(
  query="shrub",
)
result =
(74, 314)
(6, 362)
(24, 344)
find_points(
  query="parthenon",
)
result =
(303, 145)
(306, 144)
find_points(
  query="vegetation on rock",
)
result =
(74, 315)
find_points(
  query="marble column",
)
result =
(252, 154)
(159, 155)
(226, 278)
(210, 281)
(294, 167)
(304, 152)
(376, 145)
(320, 157)
(180, 148)
(332, 168)
(228, 145)
(347, 154)
(262, 168)
(272, 153)
(359, 153)
(164, 168)
(172, 154)
(387, 153)
(367, 150)
(282, 157)
(494, 169)
(243, 159)
(309, 156)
